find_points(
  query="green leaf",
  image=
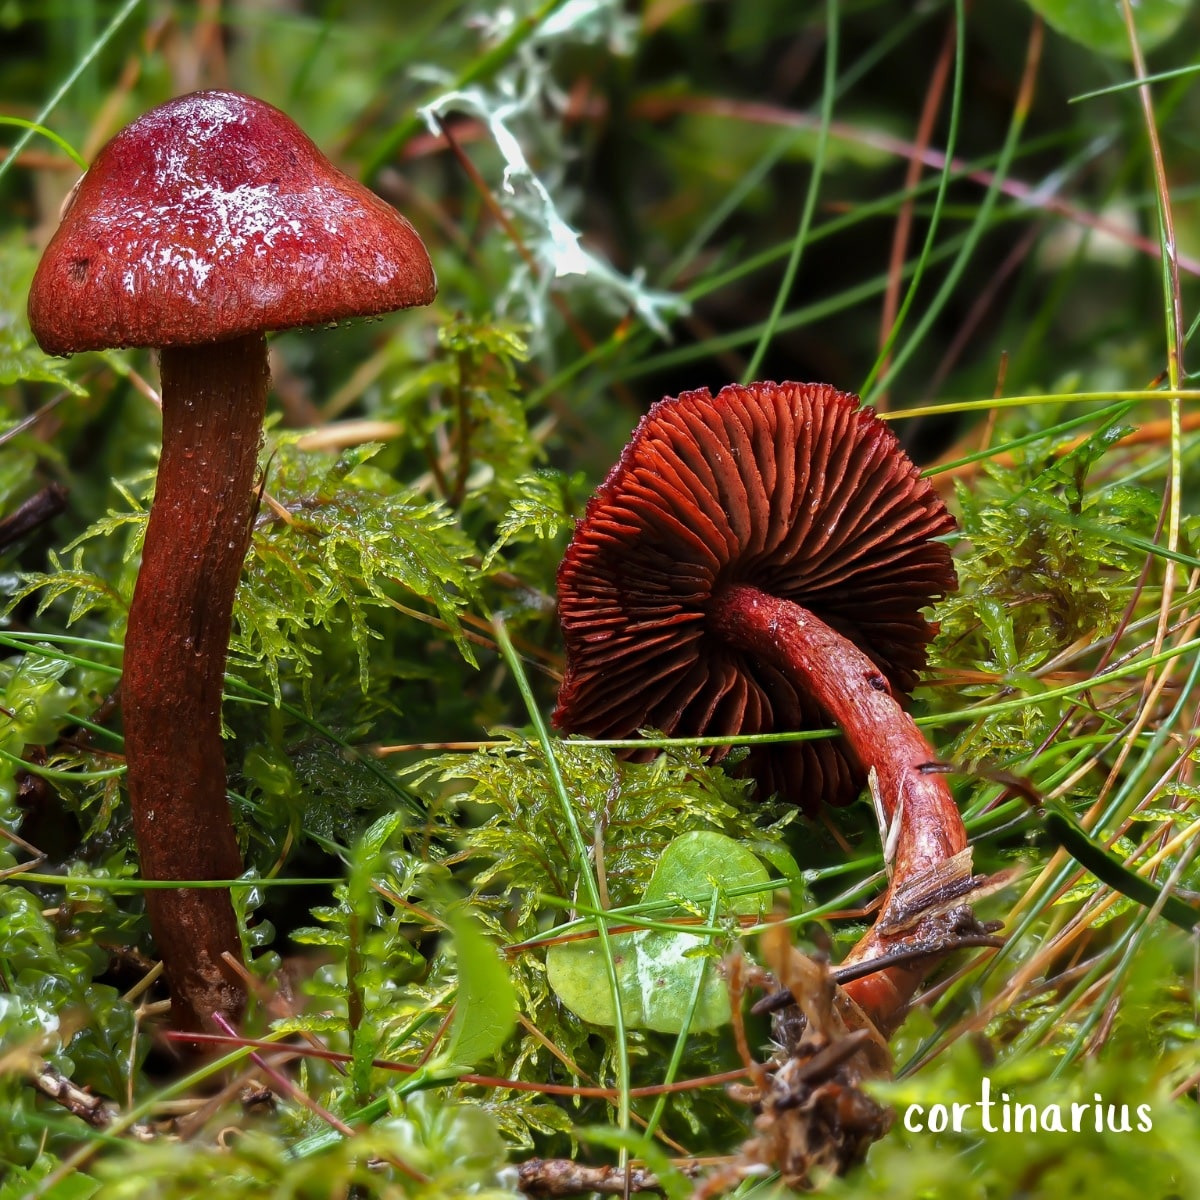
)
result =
(22, 362)
(86, 589)
(697, 863)
(657, 972)
(1099, 24)
(35, 700)
(539, 511)
(485, 1012)
(355, 542)
(74, 1185)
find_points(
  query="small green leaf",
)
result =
(74, 1185)
(695, 863)
(655, 978)
(657, 972)
(538, 511)
(1100, 25)
(485, 1012)
(375, 840)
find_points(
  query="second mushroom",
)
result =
(758, 561)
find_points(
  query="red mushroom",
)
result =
(758, 561)
(199, 227)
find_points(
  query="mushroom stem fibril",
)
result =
(758, 561)
(213, 402)
(207, 222)
(921, 821)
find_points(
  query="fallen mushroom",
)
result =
(207, 222)
(759, 561)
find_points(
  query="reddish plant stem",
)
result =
(881, 735)
(214, 399)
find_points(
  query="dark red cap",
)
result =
(790, 488)
(212, 217)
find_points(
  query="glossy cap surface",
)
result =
(793, 489)
(212, 217)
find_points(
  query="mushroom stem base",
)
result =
(923, 827)
(214, 399)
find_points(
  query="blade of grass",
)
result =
(677, 1050)
(897, 321)
(982, 222)
(810, 199)
(590, 885)
(119, 18)
(49, 134)
(1112, 871)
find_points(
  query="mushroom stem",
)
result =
(214, 400)
(882, 736)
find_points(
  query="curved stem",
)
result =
(924, 827)
(214, 398)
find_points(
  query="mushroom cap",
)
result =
(212, 217)
(790, 488)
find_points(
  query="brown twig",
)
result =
(95, 1110)
(564, 1177)
(44, 505)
